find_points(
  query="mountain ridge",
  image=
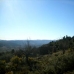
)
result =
(15, 43)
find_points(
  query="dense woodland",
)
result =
(56, 57)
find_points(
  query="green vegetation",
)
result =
(53, 58)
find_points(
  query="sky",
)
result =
(36, 19)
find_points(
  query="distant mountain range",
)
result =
(15, 43)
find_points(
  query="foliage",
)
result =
(2, 66)
(52, 58)
(62, 44)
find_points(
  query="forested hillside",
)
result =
(56, 57)
(63, 44)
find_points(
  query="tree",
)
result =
(28, 50)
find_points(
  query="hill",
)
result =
(6, 45)
(14, 43)
(63, 44)
(56, 57)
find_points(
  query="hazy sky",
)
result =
(36, 19)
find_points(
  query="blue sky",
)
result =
(36, 19)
